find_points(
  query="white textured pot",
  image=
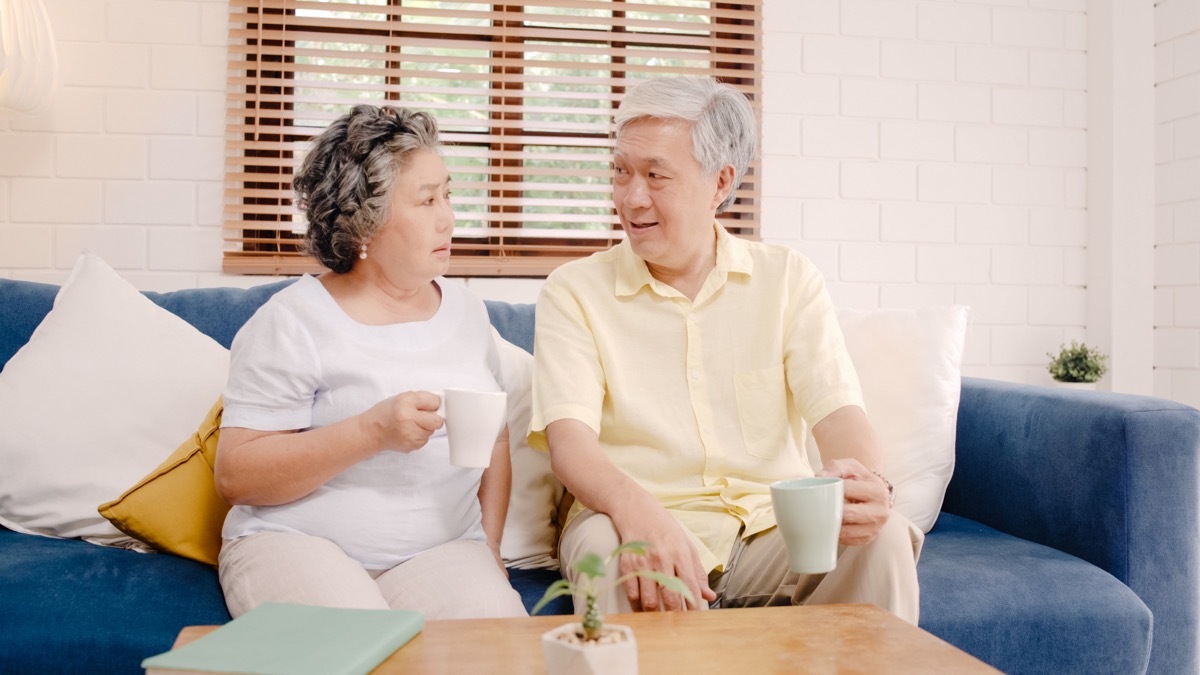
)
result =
(1086, 386)
(589, 658)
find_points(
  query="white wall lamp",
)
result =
(28, 59)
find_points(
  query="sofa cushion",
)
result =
(106, 386)
(1027, 608)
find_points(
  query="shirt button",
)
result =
(695, 374)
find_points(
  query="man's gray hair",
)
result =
(724, 129)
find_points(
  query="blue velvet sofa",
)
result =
(1068, 541)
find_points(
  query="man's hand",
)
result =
(866, 508)
(670, 552)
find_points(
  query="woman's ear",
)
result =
(724, 185)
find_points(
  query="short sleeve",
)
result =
(273, 373)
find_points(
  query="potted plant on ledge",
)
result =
(1077, 365)
(589, 647)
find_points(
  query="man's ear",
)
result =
(724, 185)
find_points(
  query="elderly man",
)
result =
(674, 370)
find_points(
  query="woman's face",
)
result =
(414, 242)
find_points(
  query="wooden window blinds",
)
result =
(524, 93)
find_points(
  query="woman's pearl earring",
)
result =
(362, 253)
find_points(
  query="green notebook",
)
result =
(283, 639)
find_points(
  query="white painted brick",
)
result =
(1185, 387)
(1052, 226)
(916, 140)
(917, 61)
(944, 22)
(1186, 306)
(187, 158)
(854, 296)
(1075, 109)
(945, 264)
(214, 24)
(917, 222)
(1186, 221)
(781, 218)
(54, 201)
(802, 16)
(1164, 307)
(1075, 267)
(73, 111)
(1058, 147)
(1177, 264)
(1176, 181)
(1177, 98)
(210, 201)
(209, 280)
(1013, 345)
(823, 254)
(1164, 224)
(1186, 59)
(149, 203)
(75, 20)
(916, 296)
(1028, 28)
(22, 246)
(977, 349)
(1185, 137)
(96, 156)
(507, 290)
(185, 248)
(26, 154)
(1075, 188)
(995, 305)
(151, 21)
(878, 180)
(1058, 70)
(801, 95)
(992, 65)
(990, 224)
(150, 112)
(1065, 5)
(1040, 107)
(120, 247)
(1164, 61)
(878, 263)
(840, 137)
(991, 144)
(1162, 383)
(3, 201)
(795, 177)
(781, 134)
(840, 220)
(192, 68)
(1176, 348)
(1031, 265)
(954, 102)
(1028, 185)
(104, 65)
(210, 119)
(1173, 18)
(841, 55)
(879, 18)
(1058, 307)
(160, 281)
(879, 98)
(779, 54)
(1076, 32)
(954, 183)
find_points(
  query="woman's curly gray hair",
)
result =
(344, 186)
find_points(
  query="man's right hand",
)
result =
(671, 552)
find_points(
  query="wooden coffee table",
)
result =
(824, 639)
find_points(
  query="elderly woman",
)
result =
(332, 451)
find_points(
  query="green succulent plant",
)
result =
(1077, 363)
(591, 568)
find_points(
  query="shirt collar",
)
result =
(733, 257)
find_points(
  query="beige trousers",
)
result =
(457, 580)
(882, 573)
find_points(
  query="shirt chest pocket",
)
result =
(762, 410)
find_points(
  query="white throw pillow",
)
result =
(909, 363)
(108, 384)
(529, 531)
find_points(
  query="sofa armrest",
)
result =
(1111, 478)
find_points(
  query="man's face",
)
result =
(665, 202)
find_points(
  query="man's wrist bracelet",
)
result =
(890, 488)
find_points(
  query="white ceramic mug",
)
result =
(808, 512)
(473, 422)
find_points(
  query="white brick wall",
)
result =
(1177, 232)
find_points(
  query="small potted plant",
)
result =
(1077, 365)
(590, 647)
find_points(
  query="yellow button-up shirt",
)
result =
(699, 401)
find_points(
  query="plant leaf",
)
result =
(590, 564)
(556, 590)
(634, 547)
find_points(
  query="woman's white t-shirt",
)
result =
(301, 362)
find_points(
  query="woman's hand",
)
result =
(403, 422)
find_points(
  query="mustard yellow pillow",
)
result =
(176, 507)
